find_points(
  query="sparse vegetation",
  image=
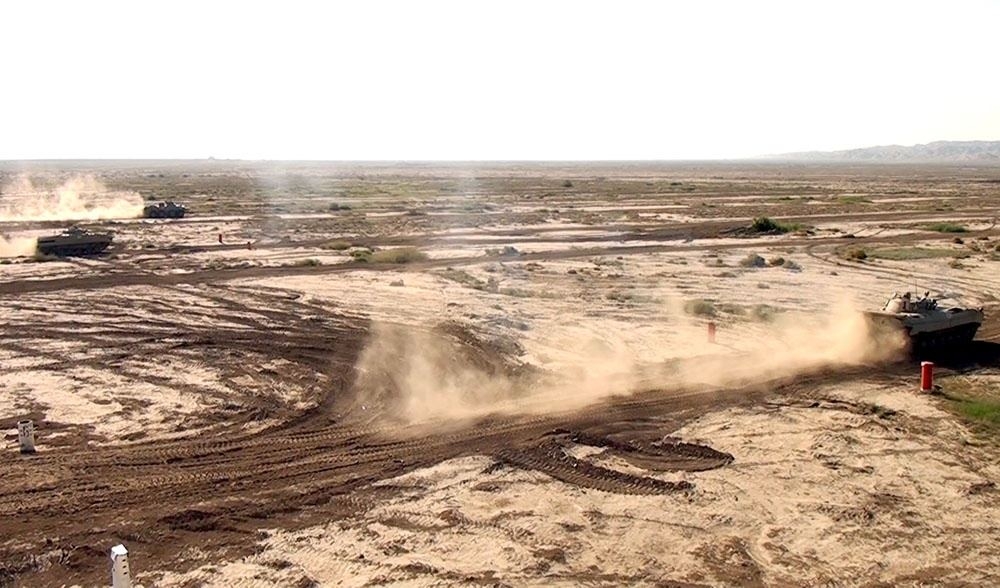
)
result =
(910, 253)
(310, 261)
(398, 255)
(975, 400)
(854, 254)
(362, 255)
(763, 312)
(699, 307)
(946, 228)
(853, 199)
(336, 245)
(753, 260)
(775, 261)
(769, 226)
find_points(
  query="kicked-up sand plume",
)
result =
(17, 246)
(418, 375)
(78, 198)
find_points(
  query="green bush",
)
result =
(946, 228)
(909, 253)
(767, 225)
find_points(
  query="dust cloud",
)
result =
(17, 246)
(78, 198)
(419, 376)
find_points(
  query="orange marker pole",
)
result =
(926, 376)
(711, 332)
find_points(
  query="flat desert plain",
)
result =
(497, 374)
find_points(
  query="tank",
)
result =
(927, 324)
(73, 242)
(167, 209)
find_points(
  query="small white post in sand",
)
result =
(26, 436)
(121, 577)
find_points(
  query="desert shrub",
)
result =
(791, 265)
(909, 253)
(362, 255)
(946, 228)
(567, 184)
(775, 261)
(763, 224)
(398, 255)
(311, 261)
(699, 307)
(336, 245)
(853, 199)
(734, 309)
(753, 260)
(854, 254)
(763, 312)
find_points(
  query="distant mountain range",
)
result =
(938, 151)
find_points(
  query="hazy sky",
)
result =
(498, 80)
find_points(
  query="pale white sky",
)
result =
(491, 80)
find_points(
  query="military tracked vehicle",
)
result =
(928, 325)
(74, 242)
(167, 209)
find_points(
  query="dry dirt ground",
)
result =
(259, 395)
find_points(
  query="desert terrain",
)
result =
(497, 374)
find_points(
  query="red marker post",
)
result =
(926, 376)
(711, 332)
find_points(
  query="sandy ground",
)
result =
(534, 403)
(822, 489)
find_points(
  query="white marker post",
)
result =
(121, 577)
(26, 436)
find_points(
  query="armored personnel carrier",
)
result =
(74, 242)
(167, 209)
(928, 325)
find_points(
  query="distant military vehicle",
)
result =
(166, 209)
(74, 242)
(926, 324)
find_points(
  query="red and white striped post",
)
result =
(926, 376)
(711, 332)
